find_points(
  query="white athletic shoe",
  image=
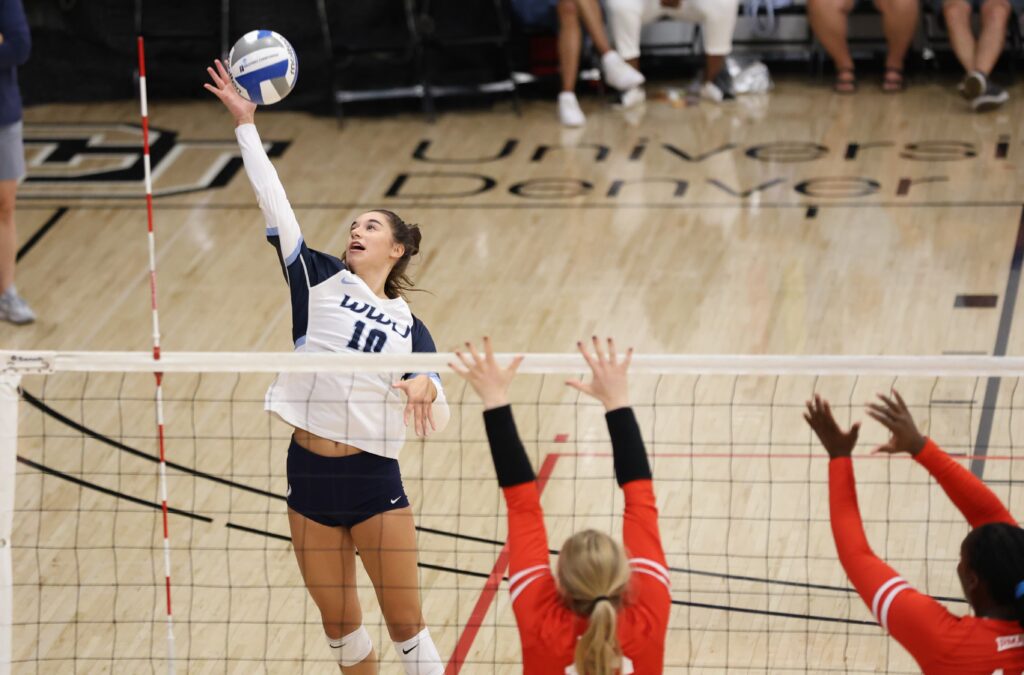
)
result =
(569, 110)
(620, 74)
(633, 97)
(719, 89)
(711, 92)
(13, 308)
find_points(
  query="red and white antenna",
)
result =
(156, 348)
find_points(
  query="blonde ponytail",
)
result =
(597, 650)
(593, 574)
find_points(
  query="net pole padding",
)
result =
(8, 461)
(151, 240)
(44, 362)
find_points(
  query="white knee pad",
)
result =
(351, 649)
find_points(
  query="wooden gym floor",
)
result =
(798, 223)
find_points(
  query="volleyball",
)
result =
(263, 66)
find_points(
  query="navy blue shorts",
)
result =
(343, 491)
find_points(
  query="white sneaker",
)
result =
(620, 74)
(13, 308)
(633, 97)
(569, 110)
(711, 92)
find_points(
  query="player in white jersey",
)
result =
(344, 486)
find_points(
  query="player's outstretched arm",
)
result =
(609, 384)
(528, 547)
(914, 619)
(978, 503)
(282, 227)
(867, 572)
(491, 381)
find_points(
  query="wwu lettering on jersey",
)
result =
(373, 314)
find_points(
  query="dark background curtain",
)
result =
(84, 50)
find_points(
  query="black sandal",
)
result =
(845, 85)
(893, 85)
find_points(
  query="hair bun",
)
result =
(415, 236)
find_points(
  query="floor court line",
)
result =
(41, 232)
(1002, 339)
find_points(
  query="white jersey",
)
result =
(333, 310)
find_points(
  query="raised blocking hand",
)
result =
(838, 443)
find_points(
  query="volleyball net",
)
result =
(740, 479)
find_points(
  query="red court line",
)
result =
(483, 603)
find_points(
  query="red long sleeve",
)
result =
(640, 532)
(940, 642)
(870, 575)
(527, 537)
(978, 504)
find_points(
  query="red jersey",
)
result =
(941, 642)
(548, 629)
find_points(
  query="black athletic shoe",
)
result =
(993, 97)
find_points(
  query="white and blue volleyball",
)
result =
(263, 66)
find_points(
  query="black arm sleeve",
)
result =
(510, 460)
(627, 446)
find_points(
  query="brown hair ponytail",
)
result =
(398, 282)
(593, 574)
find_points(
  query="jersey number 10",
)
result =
(374, 340)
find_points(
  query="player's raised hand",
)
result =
(420, 393)
(894, 416)
(609, 384)
(242, 110)
(837, 442)
(488, 379)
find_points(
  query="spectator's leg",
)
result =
(957, 14)
(570, 41)
(712, 67)
(829, 21)
(13, 307)
(8, 233)
(995, 14)
(626, 19)
(617, 72)
(590, 13)
(899, 21)
(718, 23)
